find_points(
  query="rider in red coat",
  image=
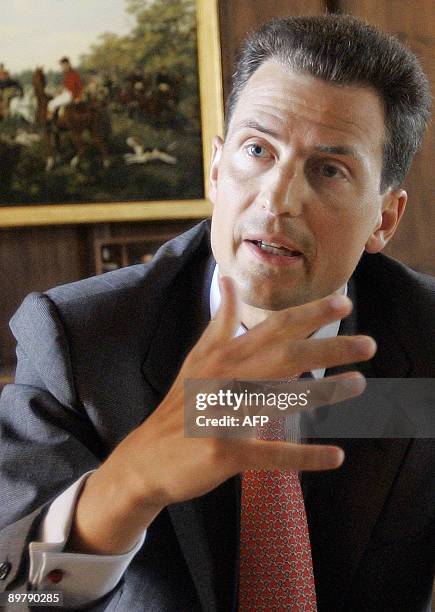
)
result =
(72, 87)
(71, 80)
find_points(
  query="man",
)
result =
(104, 497)
(4, 74)
(72, 87)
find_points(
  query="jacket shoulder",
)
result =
(398, 284)
(116, 312)
(406, 299)
(151, 280)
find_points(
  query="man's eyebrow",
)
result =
(329, 149)
(337, 150)
(254, 125)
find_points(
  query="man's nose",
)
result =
(283, 191)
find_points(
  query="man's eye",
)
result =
(256, 150)
(330, 171)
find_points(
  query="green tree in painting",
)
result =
(163, 38)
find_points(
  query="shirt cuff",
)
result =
(84, 577)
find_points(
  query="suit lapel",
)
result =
(342, 509)
(185, 314)
(207, 529)
(189, 527)
(343, 505)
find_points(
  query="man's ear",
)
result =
(214, 168)
(393, 207)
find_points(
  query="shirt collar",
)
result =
(327, 331)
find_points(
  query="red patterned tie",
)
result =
(276, 571)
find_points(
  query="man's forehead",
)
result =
(275, 95)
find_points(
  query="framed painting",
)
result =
(107, 109)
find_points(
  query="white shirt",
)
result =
(90, 577)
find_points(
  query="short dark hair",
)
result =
(343, 50)
(64, 60)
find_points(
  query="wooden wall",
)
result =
(33, 259)
(38, 258)
(239, 17)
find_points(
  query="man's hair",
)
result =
(343, 50)
(64, 60)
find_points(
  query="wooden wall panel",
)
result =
(414, 24)
(34, 259)
(239, 17)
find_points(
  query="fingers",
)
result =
(228, 316)
(222, 329)
(285, 456)
(348, 376)
(330, 352)
(289, 358)
(326, 391)
(301, 321)
(338, 388)
(278, 347)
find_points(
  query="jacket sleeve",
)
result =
(46, 439)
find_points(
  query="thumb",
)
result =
(228, 316)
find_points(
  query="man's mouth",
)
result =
(275, 248)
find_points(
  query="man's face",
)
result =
(295, 187)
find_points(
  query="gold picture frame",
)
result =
(212, 117)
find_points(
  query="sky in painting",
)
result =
(39, 32)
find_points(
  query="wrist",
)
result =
(109, 517)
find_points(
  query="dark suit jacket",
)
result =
(97, 356)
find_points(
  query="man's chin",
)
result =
(272, 300)
(271, 291)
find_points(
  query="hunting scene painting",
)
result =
(99, 102)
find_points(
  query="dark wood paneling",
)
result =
(154, 228)
(239, 17)
(34, 259)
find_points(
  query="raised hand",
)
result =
(156, 464)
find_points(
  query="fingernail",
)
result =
(338, 301)
(340, 456)
(364, 344)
